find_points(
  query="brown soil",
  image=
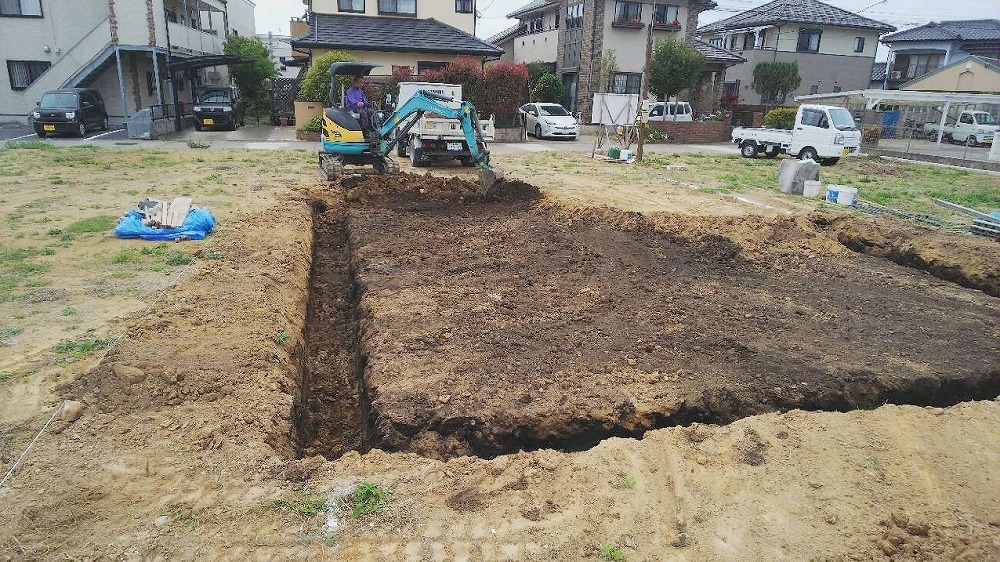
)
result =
(493, 328)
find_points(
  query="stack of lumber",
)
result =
(158, 214)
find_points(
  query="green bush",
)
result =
(548, 89)
(315, 125)
(316, 85)
(781, 118)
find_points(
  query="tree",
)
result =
(538, 69)
(252, 78)
(609, 67)
(316, 85)
(773, 80)
(466, 72)
(675, 67)
(506, 90)
(548, 89)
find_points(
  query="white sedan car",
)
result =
(550, 120)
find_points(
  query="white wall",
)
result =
(441, 10)
(630, 44)
(540, 46)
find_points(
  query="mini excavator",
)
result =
(344, 142)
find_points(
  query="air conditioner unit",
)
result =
(896, 74)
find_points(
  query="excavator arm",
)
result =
(423, 102)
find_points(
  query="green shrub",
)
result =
(316, 85)
(315, 125)
(781, 118)
(548, 89)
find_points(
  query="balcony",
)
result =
(184, 39)
(667, 26)
(634, 23)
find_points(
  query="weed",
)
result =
(612, 553)
(157, 250)
(127, 256)
(54, 232)
(76, 349)
(623, 482)
(179, 258)
(216, 255)
(183, 515)
(48, 251)
(92, 224)
(368, 498)
(304, 505)
(196, 144)
(8, 332)
(58, 181)
(69, 311)
(282, 337)
(31, 145)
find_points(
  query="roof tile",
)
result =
(956, 30)
(796, 11)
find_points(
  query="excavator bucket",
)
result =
(489, 180)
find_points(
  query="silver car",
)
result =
(550, 120)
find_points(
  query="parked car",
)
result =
(822, 133)
(550, 120)
(218, 107)
(972, 127)
(73, 111)
(679, 111)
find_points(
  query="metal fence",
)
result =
(915, 134)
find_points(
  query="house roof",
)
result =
(878, 72)
(796, 11)
(390, 34)
(717, 54)
(956, 30)
(531, 7)
(506, 34)
(990, 64)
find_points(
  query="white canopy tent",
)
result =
(872, 98)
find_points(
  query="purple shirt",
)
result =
(354, 96)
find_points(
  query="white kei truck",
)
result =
(972, 127)
(433, 138)
(823, 133)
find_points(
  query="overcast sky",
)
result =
(273, 15)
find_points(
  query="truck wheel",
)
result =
(809, 153)
(971, 141)
(417, 157)
(829, 161)
(749, 149)
(401, 148)
(772, 152)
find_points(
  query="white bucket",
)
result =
(846, 195)
(811, 188)
(626, 155)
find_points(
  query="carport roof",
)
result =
(193, 63)
(905, 97)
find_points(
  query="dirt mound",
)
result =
(413, 188)
(969, 261)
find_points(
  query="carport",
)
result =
(189, 65)
(873, 100)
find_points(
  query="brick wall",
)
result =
(696, 132)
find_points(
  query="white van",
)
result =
(670, 111)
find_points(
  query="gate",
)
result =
(283, 98)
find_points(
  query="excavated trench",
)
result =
(446, 327)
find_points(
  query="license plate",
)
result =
(847, 151)
(455, 146)
(210, 121)
(48, 127)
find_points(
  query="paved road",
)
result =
(25, 133)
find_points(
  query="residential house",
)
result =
(974, 75)
(918, 51)
(119, 47)
(279, 48)
(583, 31)
(835, 48)
(419, 34)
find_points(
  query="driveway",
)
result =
(26, 133)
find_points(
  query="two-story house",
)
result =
(119, 47)
(575, 35)
(835, 48)
(419, 34)
(921, 50)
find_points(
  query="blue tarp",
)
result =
(199, 224)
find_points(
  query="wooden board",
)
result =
(178, 212)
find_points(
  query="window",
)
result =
(24, 72)
(922, 64)
(351, 5)
(732, 42)
(626, 83)
(813, 90)
(536, 24)
(574, 16)
(24, 8)
(749, 39)
(809, 40)
(463, 6)
(761, 39)
(966, 118)
(859, 44)
(398, 7)
(557, 20)
(665, 15)
(425, 65)
(837, 89)
(571, 54)
(628, 12)
(717, 42)
(814, 118)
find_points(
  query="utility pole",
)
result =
(640, 121)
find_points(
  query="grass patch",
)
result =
(91, 225)
(367, 499)
(72, 349)
(304, 505)
(282, 337)
(179, 258)
(623, 482)
(30, 145)
(128, 256)
(16, 268)
(69, 311)
(611, 553)
(7, 333)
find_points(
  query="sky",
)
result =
(273, 15)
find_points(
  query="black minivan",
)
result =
(74, 111)
(218, 107)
